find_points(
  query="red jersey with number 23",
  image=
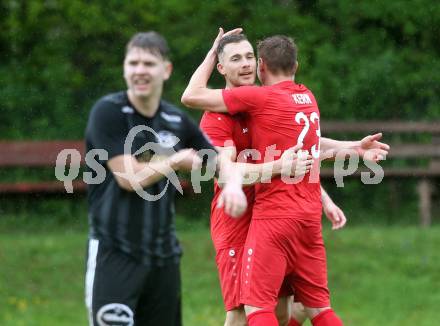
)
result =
(281, 116)
(227, 232)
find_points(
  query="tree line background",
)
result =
(366, 60)
(363, 60)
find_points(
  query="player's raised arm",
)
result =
(369, 147)
(290, 163)
(197, 95)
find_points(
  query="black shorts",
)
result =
(122, 291)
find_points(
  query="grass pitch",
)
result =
(377, 275)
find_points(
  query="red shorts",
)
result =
(229, 272)
(284, 248)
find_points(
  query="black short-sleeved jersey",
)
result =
(122, 219)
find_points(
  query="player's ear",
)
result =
(220, 69)
(296, 67)
(261, 64)
(168, 70)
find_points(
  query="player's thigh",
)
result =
(113, 283)
(160, 301)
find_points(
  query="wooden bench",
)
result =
(401, 150)
(31, 154)
(37, 154)
(43, 154)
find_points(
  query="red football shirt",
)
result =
(281, 116)
(226, 231)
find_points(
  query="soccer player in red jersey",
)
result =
(286, 215)
(231, 133)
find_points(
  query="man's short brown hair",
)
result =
(151, 41)
(234, 38)
(279, 52)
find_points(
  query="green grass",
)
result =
(377, 275)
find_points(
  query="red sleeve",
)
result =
(218, 127)
(244, 98)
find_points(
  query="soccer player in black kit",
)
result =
(133, 255)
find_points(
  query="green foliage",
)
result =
(363, 60)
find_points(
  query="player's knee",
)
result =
(313, 312)
(298, 312)
(235, 317)
(324, 316)
(251, 309)
(283, 318)
(283, 315)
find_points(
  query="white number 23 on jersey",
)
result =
(314, 118)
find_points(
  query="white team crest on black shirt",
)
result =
(166, 139)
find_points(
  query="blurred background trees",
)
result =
(363, 60)
(369, 60)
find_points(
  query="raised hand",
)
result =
(221, 34)
(373, 150)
